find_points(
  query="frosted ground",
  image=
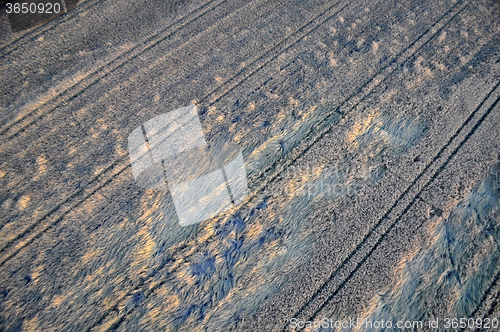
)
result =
(369, 131)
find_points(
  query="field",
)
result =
(370, 137)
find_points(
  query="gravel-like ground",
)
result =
(370, 136)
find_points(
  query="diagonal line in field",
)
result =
(371, 233)
(94, 76)
(120, 171)
(122, 317)
(80, 192)
(30, 229)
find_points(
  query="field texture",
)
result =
(370, 134)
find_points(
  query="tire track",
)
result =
(42, 226)
(36, 225)
(94, 76)
(41, 113)
(366, 88)
(152, 289)
(156, 286)
(277, 50)
(91, 192)
(386, 217)
(77, 193)
(79, 91)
